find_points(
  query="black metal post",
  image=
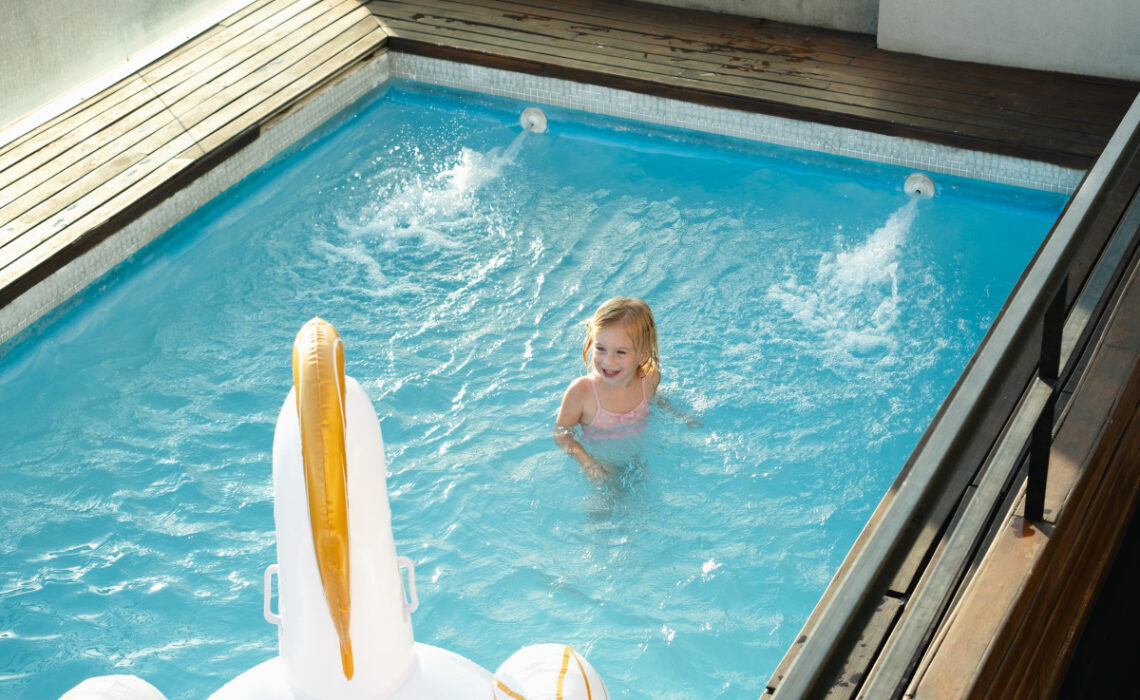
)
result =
(1049, 369)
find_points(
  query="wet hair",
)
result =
(634, 315)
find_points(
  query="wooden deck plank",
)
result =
(260, 60)
(228, 50)
(735, 36)
(32, 150)
(1075, 150)
(225, 36)
(12, 275)
(354, 37)
(77, 168)
(44, 191)
(241, 14)
(53, 218)
(88, 113)
(794, 59)
(76, 136)
(262, 92)
(738, 35)
(783, 74)
(832, 77)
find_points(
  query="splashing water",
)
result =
(853, 303)
(429, 211)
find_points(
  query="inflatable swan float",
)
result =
(344, 627)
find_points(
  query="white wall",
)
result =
(848, 15)
(1089, 37)
(49, 48)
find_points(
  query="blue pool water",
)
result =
(812, 317)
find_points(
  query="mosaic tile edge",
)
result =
(892, 150)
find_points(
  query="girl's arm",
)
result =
(570, 415)
(565, 438)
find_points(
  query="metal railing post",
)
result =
(1049, 369)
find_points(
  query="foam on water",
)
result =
(852, 304)
(427, 211)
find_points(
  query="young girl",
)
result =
(620, 352)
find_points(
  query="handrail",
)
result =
(855, 596)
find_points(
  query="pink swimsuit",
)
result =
(607, 424)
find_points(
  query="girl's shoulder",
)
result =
(578, 404)
(585, 383)
(581, 389)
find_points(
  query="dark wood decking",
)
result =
(780, 69)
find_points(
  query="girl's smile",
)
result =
(615, 358)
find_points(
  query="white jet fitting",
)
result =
(919, 184)
(533, 120)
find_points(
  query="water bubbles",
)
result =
(854, 301)
(430, 210)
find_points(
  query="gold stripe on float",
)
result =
(503, 687)
(562, 673)
(585, 678)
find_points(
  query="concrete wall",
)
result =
(1089, 37)
(848, 15)
(50, 48)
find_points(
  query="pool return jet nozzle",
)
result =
(919, 185)
(533, 119)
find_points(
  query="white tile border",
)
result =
(892, 150)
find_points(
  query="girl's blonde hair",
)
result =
(635, 316)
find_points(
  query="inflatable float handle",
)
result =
(413, 600)
(267, 609)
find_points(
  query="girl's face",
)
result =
(614, 357)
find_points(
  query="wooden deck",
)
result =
(76, 180)
(73, 182)
(785, 70)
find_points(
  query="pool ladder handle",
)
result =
(411, 598)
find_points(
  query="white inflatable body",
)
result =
(437, 673)
(343, 617)
(391, 664)
(548, 672)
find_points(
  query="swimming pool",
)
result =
(812, 316)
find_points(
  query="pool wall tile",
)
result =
(892, 150)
